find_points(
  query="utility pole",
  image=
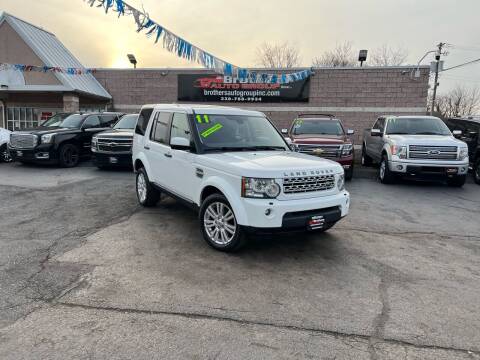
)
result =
(437, 70)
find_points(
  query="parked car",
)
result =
(324, 136)
(4, 139)
(415, 146)
(114, 147)
(468, 130)
(237, 170)
(61, 139)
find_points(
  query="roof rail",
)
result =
(309, 115)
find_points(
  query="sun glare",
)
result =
(120, 61)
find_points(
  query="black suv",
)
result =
(113, 148)
(470, 128)
(63, 139)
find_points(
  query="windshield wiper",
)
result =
(267, 148)
(245, 148)
(397, 133)
(427, 133)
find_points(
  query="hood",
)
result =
(45, 130)
(431, 140)
(4, 136)
(272, 164)
(320, 139)
(114, 133)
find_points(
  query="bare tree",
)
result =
(460, 101)
(388, 56)
(278, 55)
(342, 55)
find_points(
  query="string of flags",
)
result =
(46, 69)
(184, 49)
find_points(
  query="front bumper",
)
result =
(292, 214)
(112, 159)
(44, 154)
(431, 169)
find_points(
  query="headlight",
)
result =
(400, 151)
(260, 188)
(47, 138)
(341, 182)
(463, 154)
(347, 149)
(94, 143)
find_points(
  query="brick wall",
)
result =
(355, 95)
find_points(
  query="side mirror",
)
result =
(180, 143)
(284, 131)
(457, 133)
(375, 132)
(350, 132)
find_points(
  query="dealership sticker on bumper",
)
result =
(316, 222)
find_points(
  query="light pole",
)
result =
(132, 60)
(437, 68)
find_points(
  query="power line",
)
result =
(461, 65)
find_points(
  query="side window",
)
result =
(380, 124)
(160, 128)
(108, 120)
(92, 121)
(142, 121)
(180, 127)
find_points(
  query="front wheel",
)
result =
(69, 155)
(5, 154)
(147, 195)
(476, 172)
(384, 173)
(457, 181)
(219, 224)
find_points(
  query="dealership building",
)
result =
(357, 95)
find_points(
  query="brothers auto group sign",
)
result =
(219, 88)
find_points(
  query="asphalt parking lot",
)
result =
(87, 274)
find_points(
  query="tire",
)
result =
(457, 181)
(147, 195)
(68, 155)
(476, 172)
(5, 154)
(366, 160)
(384, 173)
(219, 225)
(349, 174)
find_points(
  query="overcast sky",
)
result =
(232, 29)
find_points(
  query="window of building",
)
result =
(21, 118)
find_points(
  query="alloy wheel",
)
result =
(383, 166)
(5, 155)
(70, 157)
(141, 187)
(477, 171)
(220, 224)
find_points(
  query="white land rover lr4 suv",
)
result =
(237, 170)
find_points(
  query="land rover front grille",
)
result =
(432, 152)
(326, 151)
(114, 145)
(23, 141)
(304, 184)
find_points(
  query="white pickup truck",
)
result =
(4, 139)
(415, 146)
(236, 169)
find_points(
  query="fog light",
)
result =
(42, 155)
(268, 212)
(399, 167)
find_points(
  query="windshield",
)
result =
(317, 127)
(127, 122)
(417, 126)
(71, 121)
(238, 132)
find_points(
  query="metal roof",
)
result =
(53, 53)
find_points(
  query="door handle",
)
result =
(168, 155)
(146, 147)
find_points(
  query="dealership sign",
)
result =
(219, 88)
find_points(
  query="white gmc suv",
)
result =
(236, 169)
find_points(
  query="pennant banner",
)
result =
(184, 49)
(45, 69)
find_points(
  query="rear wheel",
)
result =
(219, 224)
(476, 171)
(69, 155)
(5, 154)
(457, 181)
(366, 160)
(147, 195)
(384, 173)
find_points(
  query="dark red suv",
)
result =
(324, 136)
